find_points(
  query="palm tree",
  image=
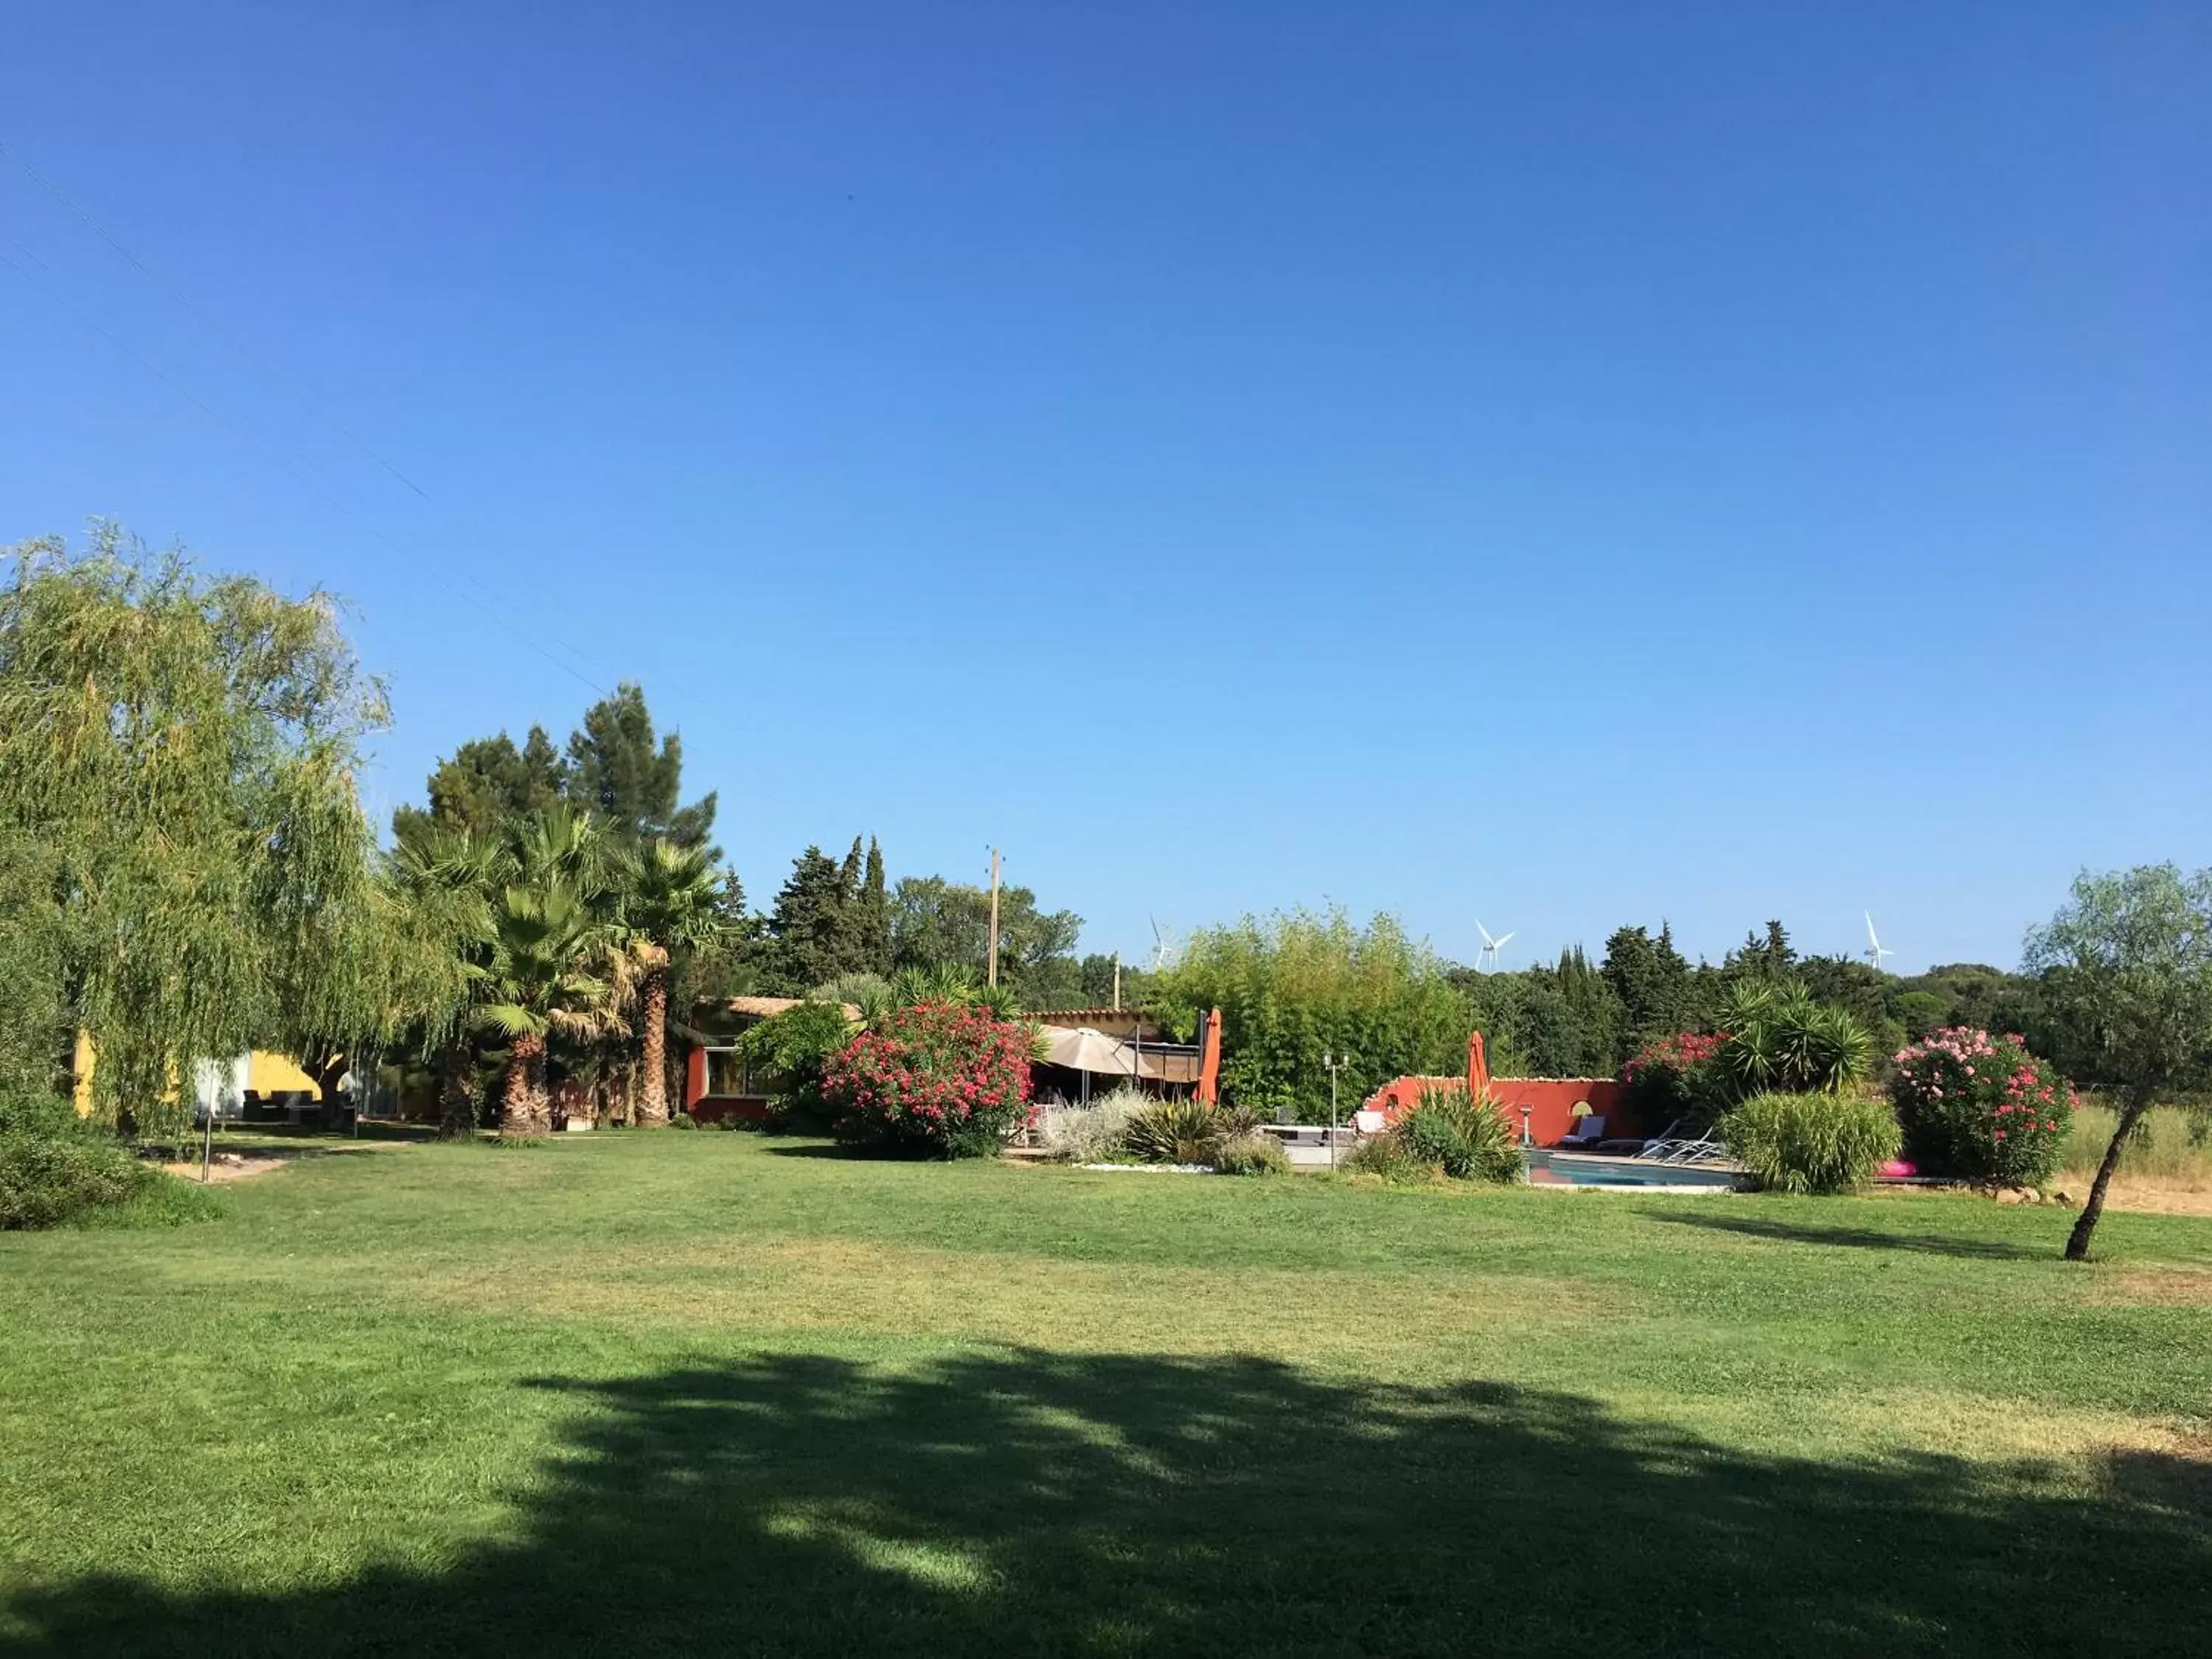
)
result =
(668, 896)
(448, 880)
(551, 970)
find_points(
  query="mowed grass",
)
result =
(711, 1393)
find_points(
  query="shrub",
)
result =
(791, 1051)
(1811, 1143)
(1784, 1041)
(1089, 1134)
(1254, 1152)
(1292, 985)
(1775, 1039)
(1447, 1134)
(1465, 1136)
(939, 1077)
(85, 1177)
(1388, 1157)
(1674, 1079)
(1981, 1108)
(1179, 1132)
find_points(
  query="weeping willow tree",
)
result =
(178, 809)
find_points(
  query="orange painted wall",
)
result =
(1550, 1100)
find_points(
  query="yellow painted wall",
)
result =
(265, 1073)
(83, 1064)
(268, 1075)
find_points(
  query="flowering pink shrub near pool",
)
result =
(1981, 1108)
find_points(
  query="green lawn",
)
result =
(711, 1393)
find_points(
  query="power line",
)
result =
(243, 430)
(244, 348)
(236, 342)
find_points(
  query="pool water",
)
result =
(1555, 1169)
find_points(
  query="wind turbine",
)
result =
(1490, 947)
(1876, 951)
(1163, 946)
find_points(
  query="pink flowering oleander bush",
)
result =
(1981, 1108)
(942, 1078)
(1676, 1077)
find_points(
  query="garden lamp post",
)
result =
(1332, 1062)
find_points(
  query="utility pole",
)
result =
(991, 974)
(1117, 981)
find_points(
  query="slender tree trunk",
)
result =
(2077, 1244)
(653, 1110)
(456, 1102)
(522, 1109)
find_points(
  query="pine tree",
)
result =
(615, 770)
(810, 928)
(486, 787)
(1768, 957)
(1652, 981)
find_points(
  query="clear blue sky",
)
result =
(1560, 464)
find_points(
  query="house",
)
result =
(1086, 1048)
(1093, 1050)
(258, 1086)
(718, 1083)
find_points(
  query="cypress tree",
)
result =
(875, 915)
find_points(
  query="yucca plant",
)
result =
(1464, 1135)
(1176, 1131)
(940, 981)
(1782, 1040)
(1840, 1053)
(868, 995)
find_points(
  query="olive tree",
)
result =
(2126, 968)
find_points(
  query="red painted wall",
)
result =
(713, 1108)
(1550, 1100)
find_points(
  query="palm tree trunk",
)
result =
(457, 1104)
(522, 1106)
(653, 1110)
(2077, 1243)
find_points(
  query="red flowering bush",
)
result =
(941, 1078)
(1981, 1108)
(1675, 1077)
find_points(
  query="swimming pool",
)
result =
(1550, 1168)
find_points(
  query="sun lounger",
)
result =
(1703, 1149)
(1587, 1132)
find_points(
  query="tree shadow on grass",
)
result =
(1863, 1238)
(1026, 1502)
